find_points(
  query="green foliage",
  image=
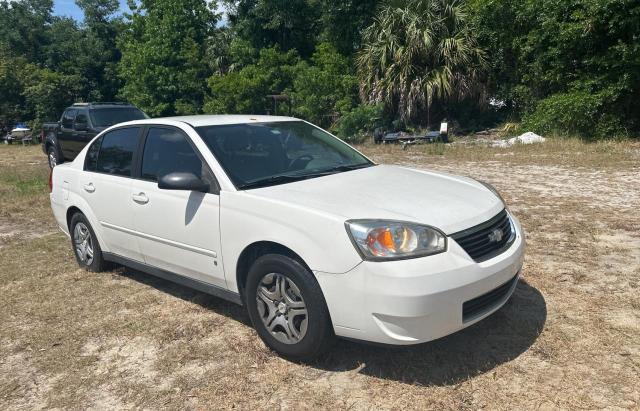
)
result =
(97, 13)
(163, 65)
(100, 55)
(343, 22)
(23, 26)
(576, 112)
(356, 124)
(287, 24)
(563, 67)
(319, 89)
(418, 52)
(47, 92)
(325, 87)
(11, 98)
(48, 62)
(246, 90)
(581, 57)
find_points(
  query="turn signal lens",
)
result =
(387, 240)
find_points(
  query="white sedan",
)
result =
(275, 214)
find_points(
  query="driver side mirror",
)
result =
(182, 181)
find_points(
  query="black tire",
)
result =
(53, 156)
(319, 334)
(96, 264)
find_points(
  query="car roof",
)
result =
(220, 119)
(106, 104)
(207, 120)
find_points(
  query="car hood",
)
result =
(450, 203)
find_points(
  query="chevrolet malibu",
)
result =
(311, 236)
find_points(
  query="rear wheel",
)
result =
(287, 308)
(85, 244)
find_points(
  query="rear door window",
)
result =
(117, 150)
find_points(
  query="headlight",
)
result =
(391, 240)
(493, 190)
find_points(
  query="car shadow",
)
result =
(478, 349)
(450, 360)
(219, 305)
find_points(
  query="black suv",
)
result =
(79, 124)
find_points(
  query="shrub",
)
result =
(576, 112)
(357, 123)
(325, 87)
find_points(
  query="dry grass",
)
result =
(569, 338)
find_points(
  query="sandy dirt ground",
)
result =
(569, 338)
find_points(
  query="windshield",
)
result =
(105, 117)
(261, 154)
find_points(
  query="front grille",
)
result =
(488, 239)
(479, 305)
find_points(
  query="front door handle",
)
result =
(89, 188)
(140, 198)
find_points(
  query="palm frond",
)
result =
(419, 51)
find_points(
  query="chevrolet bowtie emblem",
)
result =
(495, 236)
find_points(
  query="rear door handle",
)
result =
(89, 188)
(140, 198)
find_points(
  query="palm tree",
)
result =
(417, 52)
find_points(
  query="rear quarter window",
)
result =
(91, 159)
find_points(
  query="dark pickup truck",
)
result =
(79, 124)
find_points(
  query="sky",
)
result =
(70, 9)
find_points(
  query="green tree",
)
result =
(288, 24)
(163, 63)
(47, 92)
(99, 13)
(343, 22)
(325, 87)
(100, 55)
(581, 55)
(418, 52)
(246, 90)
(11, 98)
(23, 26)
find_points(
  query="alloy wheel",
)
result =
(83, 243)
(282, 308)
(53, 160)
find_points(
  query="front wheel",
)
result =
(287, 308)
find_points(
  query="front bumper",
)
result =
(417, 300)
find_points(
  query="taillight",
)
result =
(51, 180)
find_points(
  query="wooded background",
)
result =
(556, 67)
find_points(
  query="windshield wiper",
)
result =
(289, 178)
(273, 180)
(346, 167)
